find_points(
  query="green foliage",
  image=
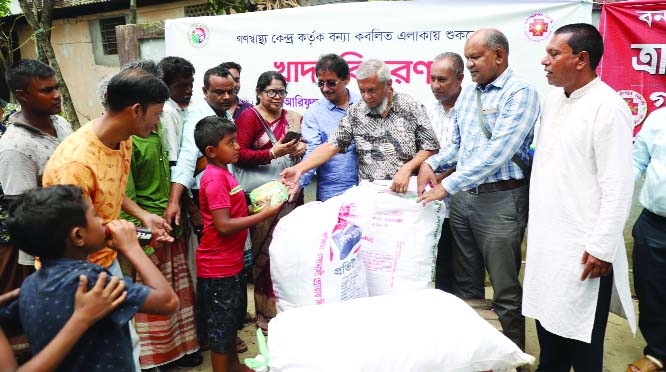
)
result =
(226, 6)
(4, 7)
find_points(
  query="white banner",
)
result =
(406, 35)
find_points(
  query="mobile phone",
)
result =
(290, 136)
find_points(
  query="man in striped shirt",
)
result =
(489, 187)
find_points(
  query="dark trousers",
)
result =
(559, 354)
(488, 230)
(444, 263)
(650, 280)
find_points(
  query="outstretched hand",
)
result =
(290, 178)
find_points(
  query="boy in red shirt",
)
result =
(221, 288)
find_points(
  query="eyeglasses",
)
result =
(328, 83)
(272, 93)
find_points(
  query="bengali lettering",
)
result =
(458, 34)
(647, 16)
(282, 39)
(658, 98)
(252, 39)
(651, 58)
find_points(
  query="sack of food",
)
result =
(273, 192)
(315, 257)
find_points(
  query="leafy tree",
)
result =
(242, 6)
(5, 38)
(40, 22)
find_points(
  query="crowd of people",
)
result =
(183, 170)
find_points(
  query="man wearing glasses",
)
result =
(341, 172)
(391, 130)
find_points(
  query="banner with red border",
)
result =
(634, 61)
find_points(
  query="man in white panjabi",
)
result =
(580, 198)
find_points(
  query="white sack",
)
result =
(422, 331)
(315, 257)
(400, 236)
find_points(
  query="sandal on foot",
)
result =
(646, 364)
(241, 346)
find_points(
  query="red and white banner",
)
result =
(634, 61)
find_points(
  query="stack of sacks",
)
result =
(366, 241)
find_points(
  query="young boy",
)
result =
(60, 225)
(221, 288)
(89, 307)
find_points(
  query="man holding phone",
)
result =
(340, 172)
(405, 139)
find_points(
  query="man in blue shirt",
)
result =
(489, 189)
(649, 233)
(341, 172)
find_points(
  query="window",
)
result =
(198, 10)
(107, 28)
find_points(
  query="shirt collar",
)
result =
(17, 121)
(582, 90)
(332, 106)
(499, 82)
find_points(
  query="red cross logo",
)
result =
(538, 27)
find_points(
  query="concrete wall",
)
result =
(72, 43)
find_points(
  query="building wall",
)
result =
(72, 43)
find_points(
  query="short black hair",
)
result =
(229, 65)
(40, 220)
(216, 71)
(210, 130)
(266, 78)
(171, 68)
(147, 65)
(584, 37)
(19, 74)
(132, 86)
(334, 63)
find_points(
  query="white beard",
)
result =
(382, 106)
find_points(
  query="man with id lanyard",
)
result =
(489, 187)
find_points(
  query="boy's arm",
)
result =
(226, 225)
(89, 307)
(161, 298)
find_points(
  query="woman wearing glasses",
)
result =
(261, 137)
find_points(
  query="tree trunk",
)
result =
(132, 13)
(42, 33)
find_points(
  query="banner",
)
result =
(634, 61)
(406, 35)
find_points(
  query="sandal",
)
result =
(241, 346)
(646, 364)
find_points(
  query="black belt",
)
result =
(655, 216)
(505, 185)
